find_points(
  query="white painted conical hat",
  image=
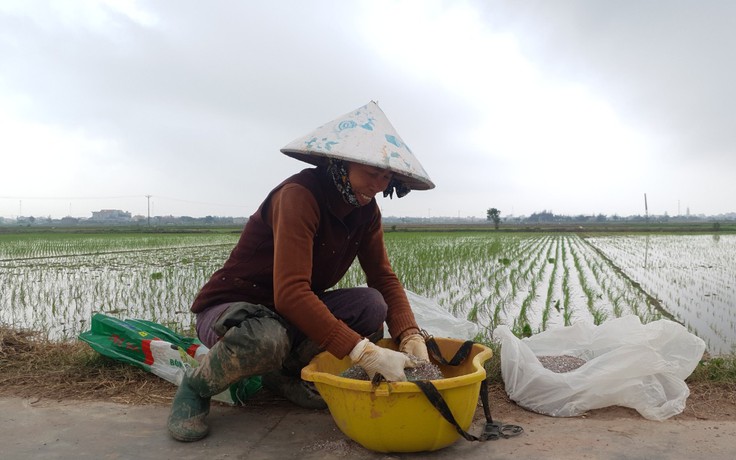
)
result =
(362, 136)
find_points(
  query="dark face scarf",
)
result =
(339, 173)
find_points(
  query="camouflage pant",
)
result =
(254, 335)
(269, 342)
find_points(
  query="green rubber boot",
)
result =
(217, 371)
(189, 409)
(257, 346)
(287, 383)
(303, 394)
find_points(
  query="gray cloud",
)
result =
(198, 102)
(663, 65)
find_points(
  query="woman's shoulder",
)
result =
(303, 185)
(307, 177)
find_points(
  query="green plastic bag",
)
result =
(159, 350)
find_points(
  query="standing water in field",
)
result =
(54, 283)
(693, 277)
(530, 282)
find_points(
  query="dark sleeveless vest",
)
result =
(247, 275)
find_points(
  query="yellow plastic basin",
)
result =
(396, 416)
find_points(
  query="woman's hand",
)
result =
(376, 360)
(414, 345)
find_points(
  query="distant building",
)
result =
(68, 221)
(110, 215)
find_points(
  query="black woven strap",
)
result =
(492, 430)
(434, 396)
(460, 355)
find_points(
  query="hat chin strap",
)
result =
(399, 187)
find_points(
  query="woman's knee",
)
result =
(375, 305)
(363, 309)
(259, 340)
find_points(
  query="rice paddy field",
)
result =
(529, 281)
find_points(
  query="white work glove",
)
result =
(376, 360)
(414, 345)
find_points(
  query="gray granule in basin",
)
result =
(424, 370)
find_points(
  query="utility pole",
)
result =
(149, 209)
(646, 208)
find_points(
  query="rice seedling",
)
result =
(690, 277)
(58, 283)
(528, 281)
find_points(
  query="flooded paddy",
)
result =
(531, 282)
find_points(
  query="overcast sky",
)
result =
(576, 107)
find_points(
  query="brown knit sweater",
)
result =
(299, 243)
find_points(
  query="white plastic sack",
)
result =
(629, 364)
(437, 321)
(170, 362)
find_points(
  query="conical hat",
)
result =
(362, 136)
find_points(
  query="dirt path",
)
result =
(705, 403)
(270, 428)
